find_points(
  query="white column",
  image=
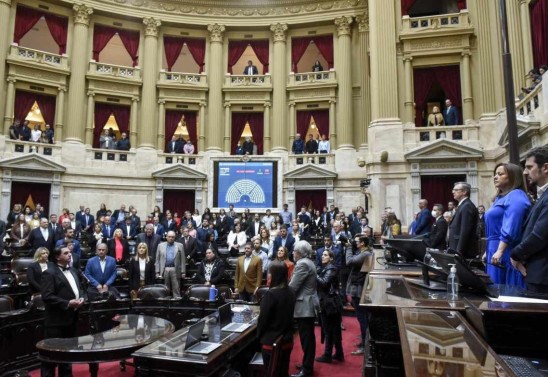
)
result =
(88, 139)
(266, 123)
(344, 77)
(279, 96)
(409, 108)
(214, 129)
(332, 122)
(59, 113)
(201, 133)
(467, 100)
(227, 129)
(160, 143)
(134, 123)
(292, 124)
(10, 104)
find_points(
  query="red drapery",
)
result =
(23, 104)
(47, 107)
(40, 193)
(321, 117)
(299, 46)
(172, 119)
(256, 123)
(235, 51)
(407, 4)
(179, 201)
(260, 47)
(237, 48)
(539, 31)
(311, 199)
(102, 35)
(102, 113)
(174, 45)
(26, 18)
(449, 79)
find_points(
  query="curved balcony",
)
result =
(443, 24)
(112, 71)
(183, 79)
(24, 54)
(248, 81)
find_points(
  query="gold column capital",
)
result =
(363, 22)
(82, 14)
(343, 25)
(216, 32)
(152, 26)
(278, 31)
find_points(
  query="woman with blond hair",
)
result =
(141, 270)
(118, 247)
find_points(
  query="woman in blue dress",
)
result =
(503, 224)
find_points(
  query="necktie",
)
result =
(108, 231)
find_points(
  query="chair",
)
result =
(198, 292)
(261, 291)
(153, 292)
(224, 290)
(36, 302)
(6, 304)
(19, 268)
(256, 366)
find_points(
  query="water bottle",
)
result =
(212, 293)
(452, 284)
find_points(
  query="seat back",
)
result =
(36, 302)
(277, 347)
(224, 291)
(19, 268)
(198, 292)
(261, 291)
(153, 292)
(6, 304)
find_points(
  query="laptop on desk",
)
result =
(193, 343)
(225, 320)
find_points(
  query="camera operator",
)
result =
(356, 253)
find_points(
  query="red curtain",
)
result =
(102, 113)
(314, 199)
(539, 31)
(461, 4)
(174, 45)
(102, 35)
(298, 47)
(437, 188)
(47, 107)
(407, 4)
(449, 79)
(173, 117)
(179, 201)
(130, 39)
(325, 45)
(58, 27)
(260, 47)
(256, 123)
(23, 104)
(235, 51)
(25, 19)
(321, 117)
(40, 193)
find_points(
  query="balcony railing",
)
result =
(111, 155)
(322, 77)
(176, 158)
(296, 160)
(17, 147)
(194, 79)
(111, 70)
(37, 56)
(444, 21)
(415, 136)
(528, 104)
(248, 80)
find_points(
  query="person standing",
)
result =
(249, 274)
(273, 321)
(438, 234)
(248, 146)
(311, 145)
(530, 257)
(171, 263)
(463, 239)
(450, 114)
(303, 284)
(298, 145)
(141, 270)
(504, 222)
(424, 220)
(250, 69)
(62, 296)
(101, 273)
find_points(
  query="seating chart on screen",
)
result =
(243, 191)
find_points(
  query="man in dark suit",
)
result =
(75, 224)
(55, 228)
(303, 284)
(69, 238)
(158, 228)
(250, 69)
(169, 223)
(42, 236)
(150, 238)
(87, 220)
(129, 230)
(101, 273)
(174, 145)
(286, 240)
(328, 245)
(255, 228)
(249, 274)
(62, 296)
(189, 244)
(108, 229)
(135, 220)
(119, 215)
(450, 114)
(530, 257)
(438, 233)
(463, 239)
(80, 213)
(424, 220)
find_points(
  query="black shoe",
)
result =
(301, 374)
(338, 357)
(323, 359)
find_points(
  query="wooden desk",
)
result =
(167, 356)
(441, 342)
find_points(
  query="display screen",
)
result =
(245, 184)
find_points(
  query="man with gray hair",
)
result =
(303, 283)
(151, 239)
(463, 238)
(171, 263)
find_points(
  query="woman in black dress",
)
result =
(276, 318)
(141, 270)
(34, 271)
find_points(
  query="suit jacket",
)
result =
(56, 294)
(190, 247)
(303, 284)
(438, 234)
(87, 224)
(251, 70)
(451, 116)
(134, 275)
(176, 147)
(16, 232)
(153, 243)
(160, 230)
(34, 277)
(251, 279)
(57, 231)
(111, 247)
(424, 222)
(75, 250)
(533, 248)
(96, 276)
(462, 230)
(171, 226)
(110, 234)
(290, 241)
(250, 232)
(36, 239)
(180, 259)
(132, 231)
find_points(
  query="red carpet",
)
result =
(351, 367)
